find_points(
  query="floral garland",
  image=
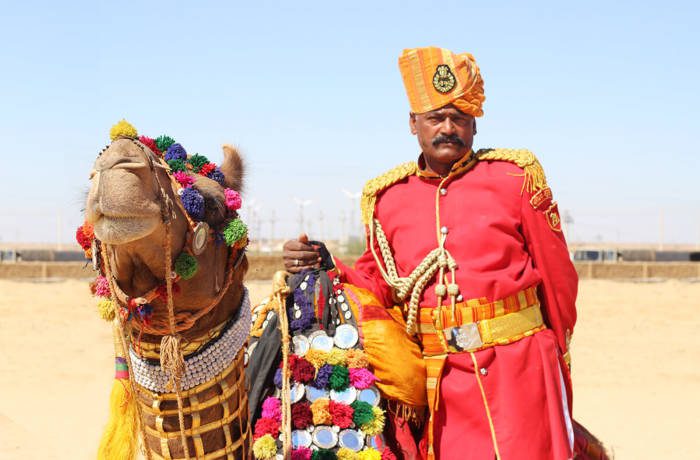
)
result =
(184, 169)
(337, 369)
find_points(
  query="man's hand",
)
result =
(299, 255)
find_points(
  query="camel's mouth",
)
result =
(123, 229)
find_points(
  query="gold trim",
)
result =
(486, 406)
(535, 179)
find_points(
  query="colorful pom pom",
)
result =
(186, 266)
(369, 454)
(193, 202)
(301, 453)
(376, 425)
(303, 371)
(301, 415)
(320, 412)
(346, 454)
(341, 414)
(278, 378)
(206, 169)
(266, 426)
(272, 408)
(175, 152)
(197, 161)
(162, 291)
(265, 448)
(217, 175)
(151, 144)
(235, 230)
(184, 179)
(177, 165)
(84, 236)
(323, 454)
(123, 129)
(363, 412)
(356, 358)
(323, 376)
(105, 308)
(337, 357)
(361, 378)
(102, 287)
(316, 357)
(233, 199)
(164, 142)
(339, 379)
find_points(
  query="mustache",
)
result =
(442, 139)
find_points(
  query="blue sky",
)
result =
(605, 93)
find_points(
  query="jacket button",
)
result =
(443, 230)
(483, 371)
(443, 191)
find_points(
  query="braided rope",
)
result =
(280, 292)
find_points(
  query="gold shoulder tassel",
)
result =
(535, 179)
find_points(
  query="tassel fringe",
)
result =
(120, 438)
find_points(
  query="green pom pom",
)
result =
(339, 379)
(234, 231)
(177, 165)
(323, 454)
(197, 161)
(362, 412)
(163, 142)
(186, 266)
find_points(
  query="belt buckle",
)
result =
(464, 337)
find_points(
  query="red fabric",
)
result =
(502, 245)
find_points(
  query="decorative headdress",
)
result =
(435, 77)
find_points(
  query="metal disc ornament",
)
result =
(296, 392)
(346, 336)
(352, 439)
(346, 396)
(313, 393)
(301, 344)
(324, 437)
(320, 341)
(370, 396)
(301, 438)
(200, 235)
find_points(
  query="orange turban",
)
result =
(435, 77)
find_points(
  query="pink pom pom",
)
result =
(301, 453)
(271, 408)
(183, 178)
(361, 378)
(102, 287)
(233, 199)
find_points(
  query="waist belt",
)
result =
(471, 326)
(477, 324)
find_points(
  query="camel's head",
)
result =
(131, 186)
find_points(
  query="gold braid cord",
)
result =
(438, 259)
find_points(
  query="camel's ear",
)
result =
(214, 200)
(233, 168)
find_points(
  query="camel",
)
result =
(179, 330)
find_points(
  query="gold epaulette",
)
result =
(535, 179)
(376, 185)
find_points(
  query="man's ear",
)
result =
(412, 123)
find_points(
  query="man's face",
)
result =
(445, 135)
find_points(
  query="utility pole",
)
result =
(302, 204)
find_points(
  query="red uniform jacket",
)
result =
(503, 241)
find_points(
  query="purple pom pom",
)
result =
(217, 175)
(193, 201)
(175, 152)
(278, 378)
(322, 376)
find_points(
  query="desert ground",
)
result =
(636, 368)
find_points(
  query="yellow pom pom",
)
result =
(123, 129)
(337, 357)
(347, 454)
(376, 426)
(356, 358)
(105, 308)
(370, 454)
(265, 447)
(316, 357)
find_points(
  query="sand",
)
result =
(635, 367)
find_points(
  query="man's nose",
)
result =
(447, 127)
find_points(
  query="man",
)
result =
(470, 244)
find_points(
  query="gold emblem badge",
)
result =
(553, 218)
(444, 80)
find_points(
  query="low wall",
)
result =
(262, 267)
